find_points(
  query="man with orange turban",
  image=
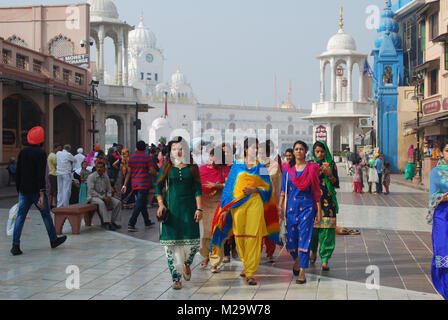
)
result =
(31, 186)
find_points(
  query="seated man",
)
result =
(99, 191)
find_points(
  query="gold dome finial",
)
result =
(141, 15)
(341, 19)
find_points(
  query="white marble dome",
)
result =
(103, 9)
(177, 78)
(341, 41)
(142, 36)
(160, 123)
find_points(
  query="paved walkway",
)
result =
(394, 237)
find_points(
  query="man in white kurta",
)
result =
(64, 170)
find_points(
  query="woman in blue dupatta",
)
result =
(438, 216)
(301, 188)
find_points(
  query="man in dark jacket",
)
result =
(31, 186)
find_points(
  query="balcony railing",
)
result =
(35, 66)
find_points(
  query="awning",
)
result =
(427, 121)
(428, 65)
(441, 38)
(430, 6)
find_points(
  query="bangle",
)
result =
(200, 210)
(160, 201)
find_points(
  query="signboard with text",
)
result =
(321, 134)
(79, 60)
(432, 107)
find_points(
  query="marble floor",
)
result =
(121, 266)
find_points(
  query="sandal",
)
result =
(313, 260)
(251, 281)
(354, 232)
(271, 259)
(214, 269)
(243, 274)
(177, 285)
(204, 263)
(187, 275)
(226, 260)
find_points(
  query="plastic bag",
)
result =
(12, 220)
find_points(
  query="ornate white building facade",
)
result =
(146, 63)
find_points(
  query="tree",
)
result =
(162, 140)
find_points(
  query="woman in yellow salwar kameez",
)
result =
(247, 195)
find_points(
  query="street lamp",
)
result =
(418, 96)
(93, 97)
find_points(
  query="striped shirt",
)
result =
(139, 164)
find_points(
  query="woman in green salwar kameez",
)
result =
(180, 233)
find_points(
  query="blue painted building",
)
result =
(388, 71)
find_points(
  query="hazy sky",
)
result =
(230, 50)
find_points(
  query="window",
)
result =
(56, 72)
(408, 35)
(66, 75)
(6, 55)
(61, 46)
(156, 77)
(37, 66)
(434, 25)
(433, 78)
(423, 35)
(21, 62)
(290, 130)
(446, 56)
(79, 79)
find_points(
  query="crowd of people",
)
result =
(214, 201)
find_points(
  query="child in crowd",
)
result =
(358, 182)
(386, 177)
(372, 177)
(84, 175)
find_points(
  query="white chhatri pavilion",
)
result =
(336, 120)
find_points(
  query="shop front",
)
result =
(433, 127)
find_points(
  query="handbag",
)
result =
(166, 212)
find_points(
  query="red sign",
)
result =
(445, 104)
(432, 107)
(321, 134)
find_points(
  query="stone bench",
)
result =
(75, 213)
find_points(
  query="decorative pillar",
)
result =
(333, 81)
(120, 57)
(322, 80)
(329, 127)
(116, 65)
(101, 55)
(349, 80)
(351, 136)
(361, 86)
(50, 123)
(126, 55)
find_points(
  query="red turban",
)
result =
(36, 136)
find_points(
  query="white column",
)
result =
(329, 127)
(322, 80)
(116, 65)
(126, 54)
(349, 80)
(101, 55)
(333, 81)
(120, 57)
(361, 85)
(351, 136)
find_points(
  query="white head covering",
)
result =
(80, 150)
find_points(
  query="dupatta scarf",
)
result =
(239, 178)
(309, 178)
(438, 187)
(328, 159)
